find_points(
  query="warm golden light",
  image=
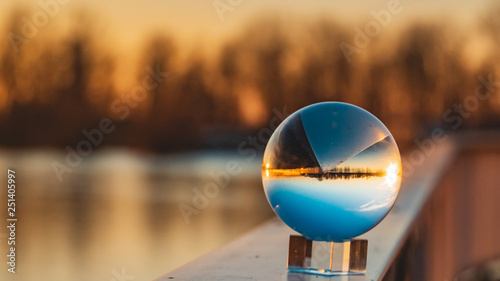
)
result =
(391, 173)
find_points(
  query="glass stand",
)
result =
(327, 258)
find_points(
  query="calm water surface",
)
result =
(119, 212)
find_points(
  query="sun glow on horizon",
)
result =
(392, 173)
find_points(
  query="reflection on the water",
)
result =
(345, 173)
(120, 212)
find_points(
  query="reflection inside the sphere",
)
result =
(331, 171)
(392, 173)
(356, 194)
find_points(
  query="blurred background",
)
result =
(115, 115)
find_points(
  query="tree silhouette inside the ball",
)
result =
(331, 171)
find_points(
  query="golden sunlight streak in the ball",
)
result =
(391, 173)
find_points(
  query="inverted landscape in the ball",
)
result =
(331, 171)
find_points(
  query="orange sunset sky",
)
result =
(124, 25)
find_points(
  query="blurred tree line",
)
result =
(52, 89)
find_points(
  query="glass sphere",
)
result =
(331, 171)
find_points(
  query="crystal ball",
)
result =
(331, 171)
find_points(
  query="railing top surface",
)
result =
(262, 253)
